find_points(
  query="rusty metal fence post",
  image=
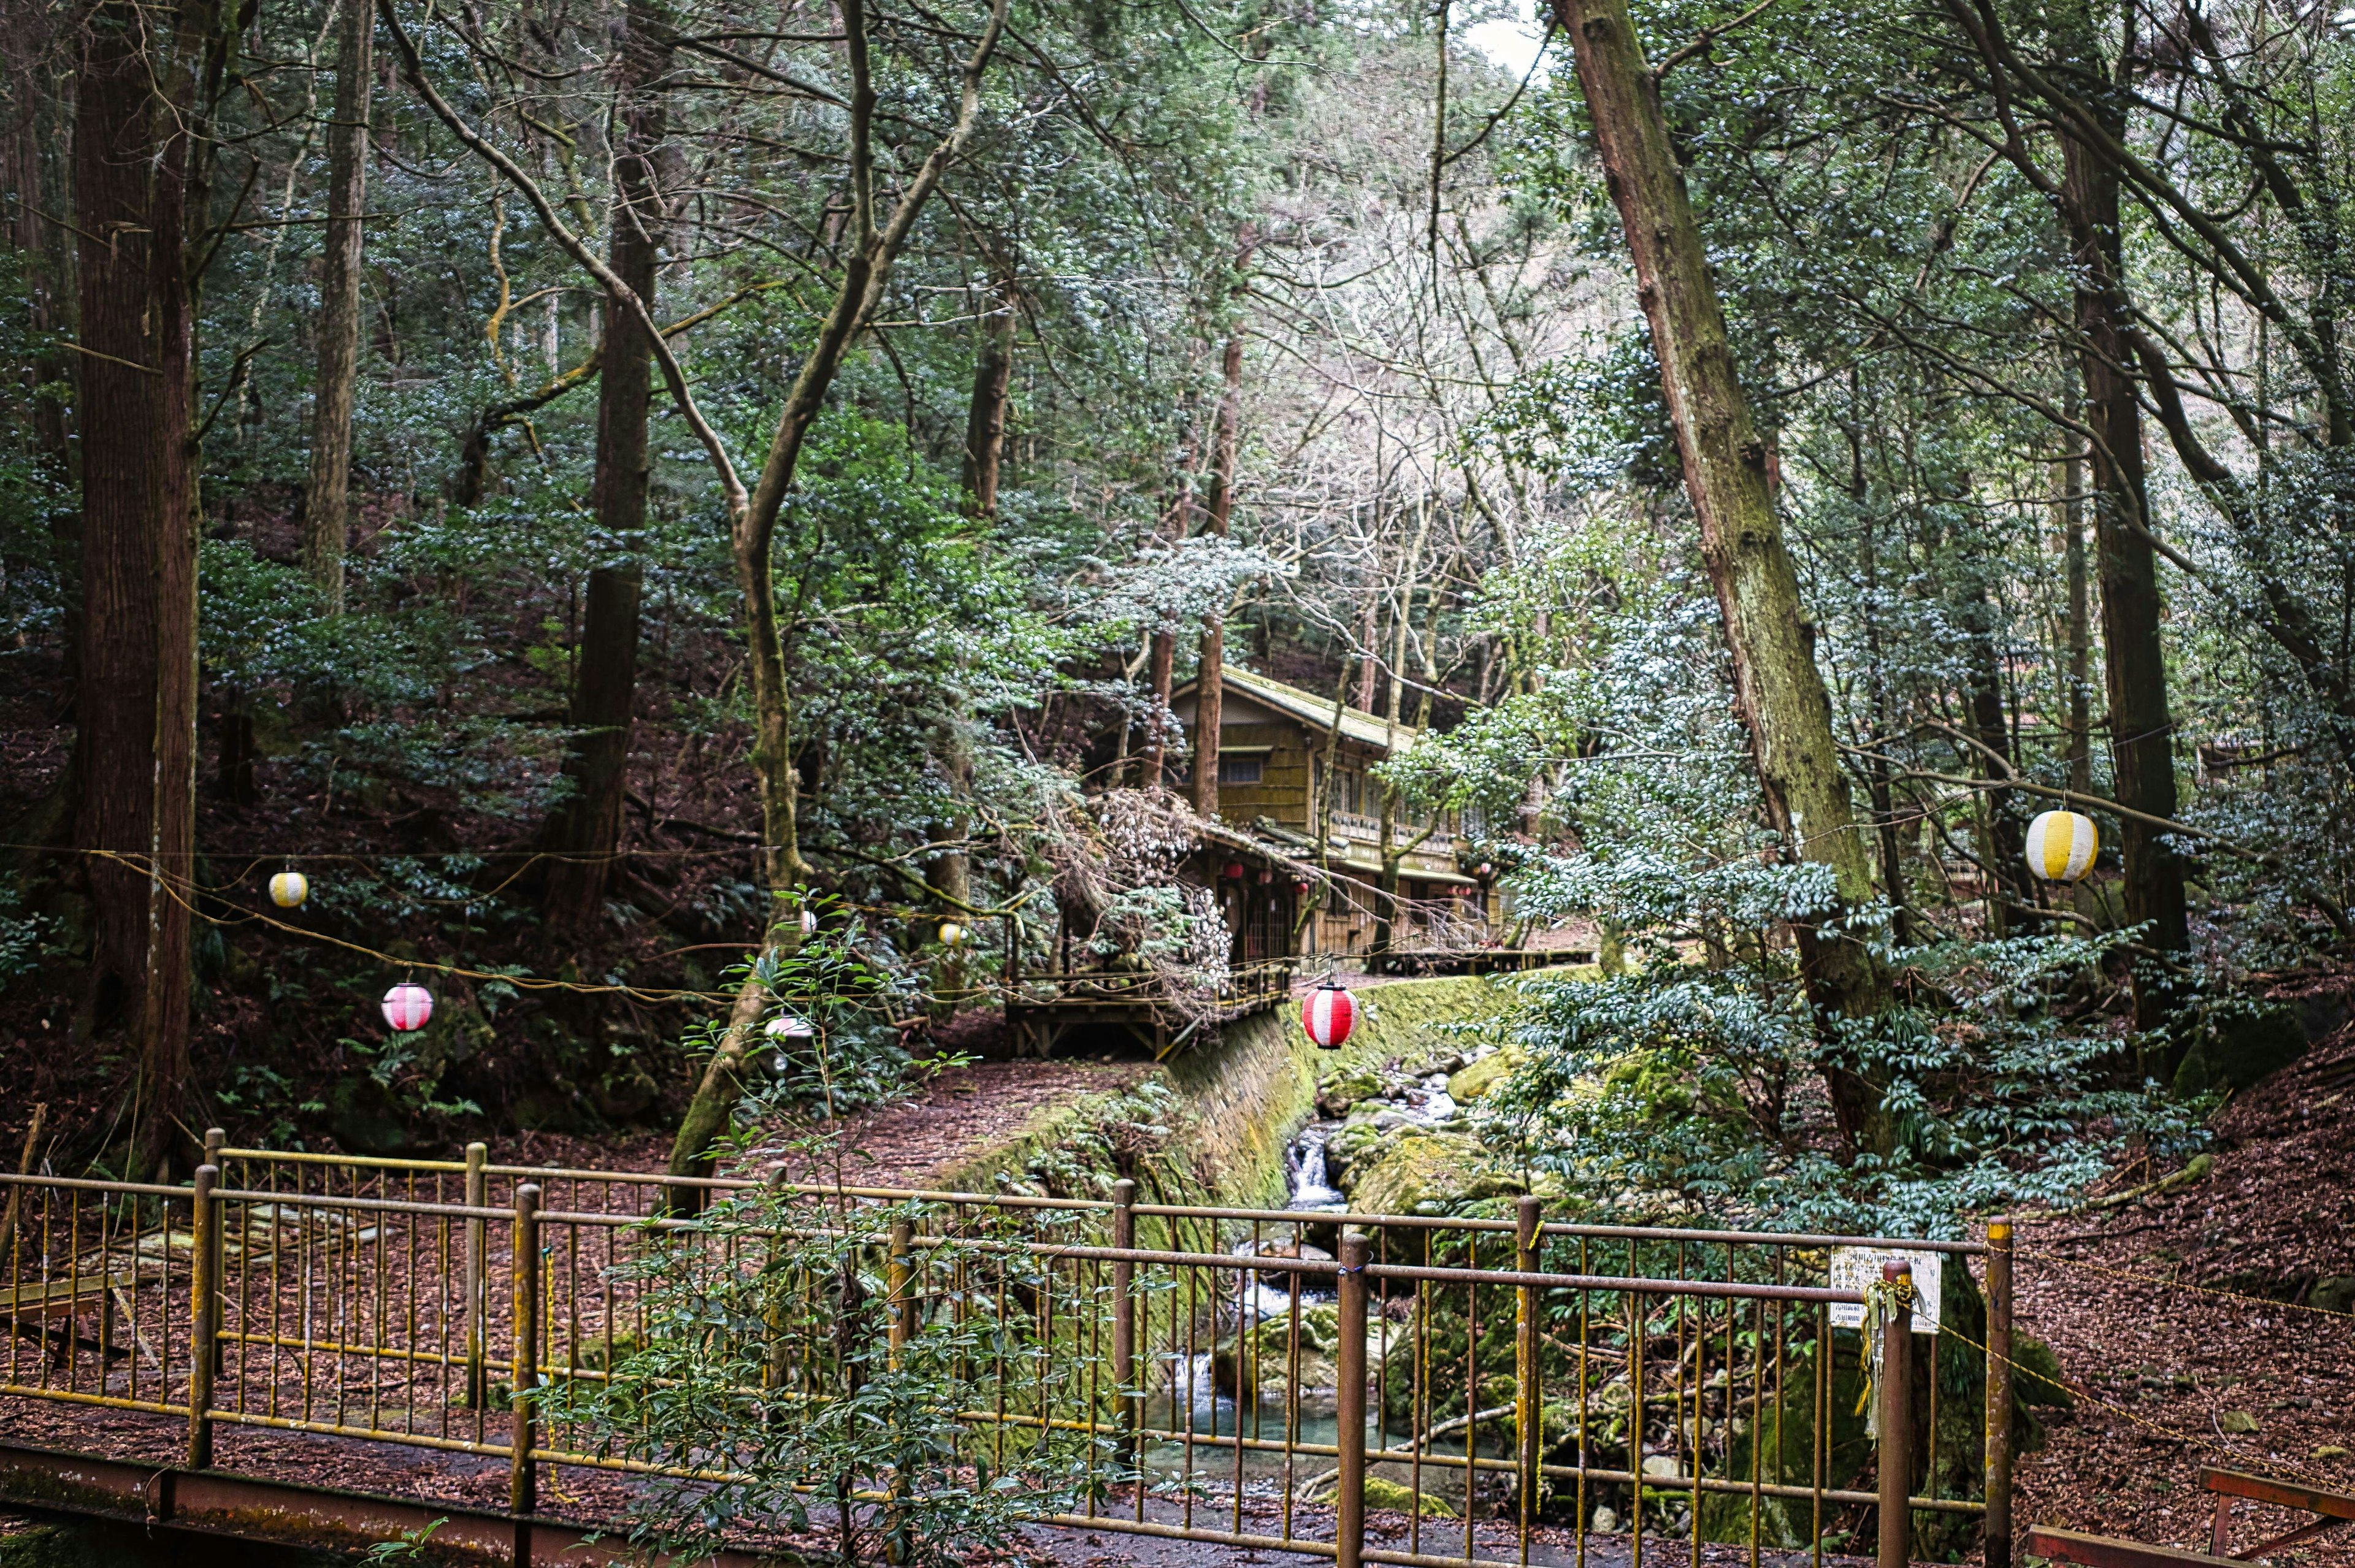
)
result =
(1527, 1405)
(1128, 1417)
(204, 1310)
(1350, 1415)
(899, 1277)
(1998, 1394)
(1894, 1456)
(523, 1476)
(478, 1196)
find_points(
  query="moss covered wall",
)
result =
(1247, 1091)
(1252, 1089)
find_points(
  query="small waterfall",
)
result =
(1305, 1167)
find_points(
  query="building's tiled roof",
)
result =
(1315, 711)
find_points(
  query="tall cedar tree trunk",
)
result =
(949, 873)
(1781, 692)
(1209, 687)
(1161, 652)
(1884, 816)
(136, 740)
(2006, 844)
(2142, 734)
(2069, 475)
(587, 830)
(325, 501)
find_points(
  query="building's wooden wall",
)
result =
(1288, 752)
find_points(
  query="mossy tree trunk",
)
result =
(1780, 690)
(586, 831)
(326, 499)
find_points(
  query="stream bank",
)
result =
(1221, 1123)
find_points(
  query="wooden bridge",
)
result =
(1043, 1011)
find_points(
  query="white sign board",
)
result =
(1854, 1268)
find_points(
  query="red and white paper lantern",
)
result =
(1328, 1015)
(408, 1006)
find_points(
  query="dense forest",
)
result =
(622, 497)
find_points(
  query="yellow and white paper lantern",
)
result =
(2061, 846)
(289, 887)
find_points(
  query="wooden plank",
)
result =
(2282, 1494)
(2107, 1552)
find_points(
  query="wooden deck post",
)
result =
(1526, 1410)
(523, 1432)
(1124, 1328)
(1350, 1524)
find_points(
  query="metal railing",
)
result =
(1370, 1388)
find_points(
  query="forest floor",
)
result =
(962, 1113)
(2181, 1323)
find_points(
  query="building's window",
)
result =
(1240, 770)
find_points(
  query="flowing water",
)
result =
(1192, 1395)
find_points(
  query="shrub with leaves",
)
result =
(783, 1369)
(1702, 1076)
(770, 1387)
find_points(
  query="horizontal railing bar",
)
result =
(1323, 1268)
(1295, 1543)
(1753, 1238)
(1319, 1217)
(108, 1401)
(372, 1433)
(1394, 1559)
(363, 1205)
(636, 1178)
(1710, 1287)
(336, 1347)
(82, 1184)
(357, 1161)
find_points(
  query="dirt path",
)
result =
(2158, 1310)
(961, 1113)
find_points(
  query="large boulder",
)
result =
(1469, 1083)
(1416, 1172)
(2237, 1046)
(1337, 1092)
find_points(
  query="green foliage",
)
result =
(767, 1383)
(768, 1368)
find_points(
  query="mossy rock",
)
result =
(1264, 1354)
(2239, 1046)
(1346, 1151)
(1337, 1092)
(50, 1546)
(1415, 1169)
(1390, 1495)
(1471, 1082)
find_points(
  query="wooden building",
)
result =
(1274, 741)
(1083, 1002)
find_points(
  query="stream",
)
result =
(1191, 1394)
